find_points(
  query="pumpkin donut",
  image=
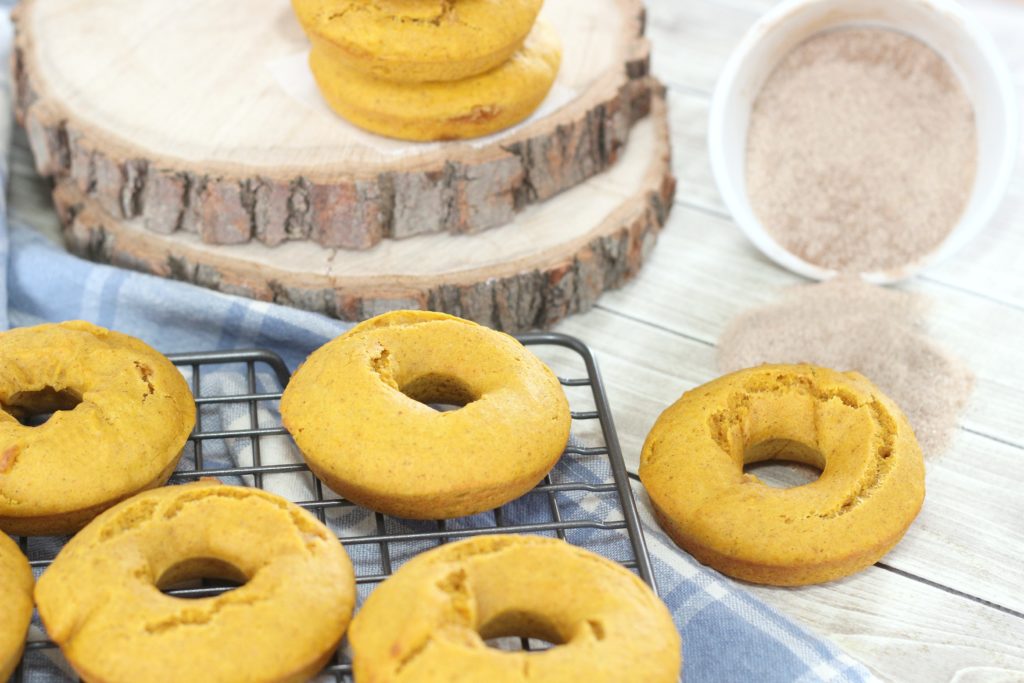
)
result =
(122, 414)
(15, 605)
(428, 622)
(356, 409)
(870, 489)
(417, 40)
(100, 599)
(474, 106)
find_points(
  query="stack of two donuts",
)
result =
(431, 69)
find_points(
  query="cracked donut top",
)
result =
(360, 409)
(430, 621)
(870, 489)
(418, 40)
(103, 409)
(101, 599)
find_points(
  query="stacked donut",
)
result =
(431, 69)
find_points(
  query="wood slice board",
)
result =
(190, 115)
(553, 259)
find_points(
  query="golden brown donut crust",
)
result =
(15, 604)
(125, 435)
(870, 490)
(417, 40)
(428, 622)
(388, 451)
(100, 602)
(446, 110)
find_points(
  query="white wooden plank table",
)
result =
(948, 603)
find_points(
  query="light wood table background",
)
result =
(948, 603)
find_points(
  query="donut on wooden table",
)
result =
(870, 490)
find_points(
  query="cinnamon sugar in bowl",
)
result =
(866, 136)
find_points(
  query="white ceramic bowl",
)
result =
(943, 25)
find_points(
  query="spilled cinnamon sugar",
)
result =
(846, 324)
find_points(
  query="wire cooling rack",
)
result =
(239, 439)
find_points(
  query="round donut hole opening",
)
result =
(203, 577)
(443, 393)
(518, 631)
(35, 408)
(783, 464)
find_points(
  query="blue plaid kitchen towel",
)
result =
(728, 635)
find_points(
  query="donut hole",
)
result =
(35, 408)
(508, 630)
(440, 392)
(783, 463)
(200, 577)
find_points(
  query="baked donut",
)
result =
(100, 600)
(417, 40)
(122, 415)
(445, 110)
(870, 489)
(428, 622)
(356, 409)
(15, 605)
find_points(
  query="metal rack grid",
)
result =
(585, 500)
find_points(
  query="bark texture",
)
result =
(462, 192)
(512, 298)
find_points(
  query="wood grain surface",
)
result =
(194, 116)
(946, 604)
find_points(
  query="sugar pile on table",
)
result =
(847, 324)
